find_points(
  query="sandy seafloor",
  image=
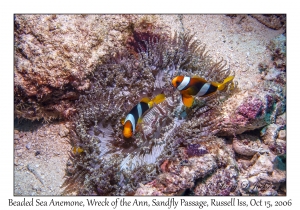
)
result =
(41, 150)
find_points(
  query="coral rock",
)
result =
(262, 165)
(282, 134)
(272, 21)
(183, 174)
(247, 145)
(54, 57)
(223, 182)
(263, 177)
(250, 111)
(270, 132)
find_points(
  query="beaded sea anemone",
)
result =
(113, 165)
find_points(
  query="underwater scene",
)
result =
(157, 105)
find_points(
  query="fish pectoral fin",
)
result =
(79, 150)
(139, 124)
(140, 120)
(191, 91)
(187, 100)
(122, 121)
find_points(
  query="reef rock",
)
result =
(251, 110)
(262, 178)
(197, 172)
(56, 54)
(272, 21)
(221, 183)
(248, 145)
(271, 137)
(262, 165)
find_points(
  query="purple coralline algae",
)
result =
(251, 108)
(195, 150)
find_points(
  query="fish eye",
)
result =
(177, 83)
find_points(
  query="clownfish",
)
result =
(135, 115)
(196, 86)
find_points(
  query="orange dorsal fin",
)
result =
(196, 76)
(199, 79)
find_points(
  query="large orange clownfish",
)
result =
(135, 115)
(196, 86)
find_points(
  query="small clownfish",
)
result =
(197, 86)
(77, 150)
(135, 115)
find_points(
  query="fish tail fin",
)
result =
(146, 100)
(158, 99)
(222, 85)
